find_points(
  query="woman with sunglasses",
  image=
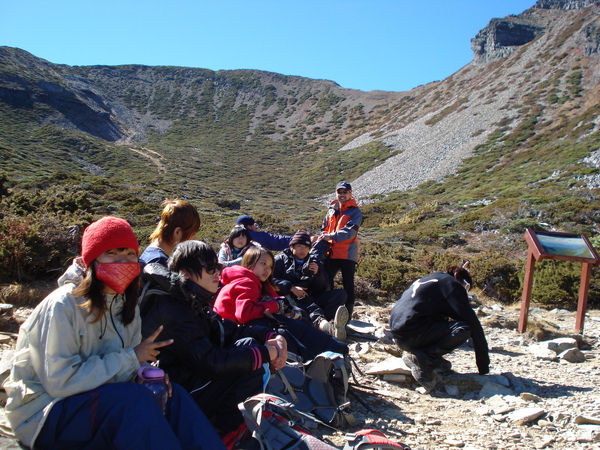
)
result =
(217, 361)
(420, 324)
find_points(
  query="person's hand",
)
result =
(298, 291)
(277, 348)
(146, 351)
(483, 363)
(313, 267)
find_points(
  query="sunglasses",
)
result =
(211, 269)
(342, 191)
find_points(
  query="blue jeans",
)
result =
(127, 416)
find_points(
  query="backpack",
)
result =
(312, 388)
(272, 423)
(371, 440)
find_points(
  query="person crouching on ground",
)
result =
(217, 361)
(78, 353)
(419, 324)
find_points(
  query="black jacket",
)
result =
(203, 347)
(435, 298)
(286, 275)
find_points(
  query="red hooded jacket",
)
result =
(239, 299)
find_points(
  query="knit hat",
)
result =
(344, 185)
(105, 234)
(301, 237)
(245, 220)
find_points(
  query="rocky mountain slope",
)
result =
(542, 62)
(545, 59)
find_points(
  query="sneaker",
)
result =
(416, 362)
(338, 324)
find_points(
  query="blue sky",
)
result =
(392, 45)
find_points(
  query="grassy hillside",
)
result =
(80, 142)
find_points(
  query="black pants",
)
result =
(348, 269)
(435, 339)
(323, 306)
(303, 339)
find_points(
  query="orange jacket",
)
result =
(342, 223)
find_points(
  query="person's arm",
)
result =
(459, 302)
(196, 342)
(247, 302)
(57, 358)
(270, 241)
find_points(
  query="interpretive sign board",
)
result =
(562, 247)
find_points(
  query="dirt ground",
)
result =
(527, 401)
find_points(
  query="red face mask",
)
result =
(117, 276)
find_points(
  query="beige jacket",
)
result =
(60, 353)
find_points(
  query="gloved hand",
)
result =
(483, 363)
(284, 305)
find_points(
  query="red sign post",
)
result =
(562, 247)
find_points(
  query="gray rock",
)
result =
(572, 355)
(452, 390)
(525, 415)
(583, 420)
(490, 389)
(541, 351)
(527, 396)
(559, 345)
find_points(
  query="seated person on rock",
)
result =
(218, 362)
(72, 383)
(179, 222)
(301, 277)
(233, 248)
(248, 296)
(420, 324)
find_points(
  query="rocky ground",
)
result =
(533, 398)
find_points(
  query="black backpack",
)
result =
(318, 387)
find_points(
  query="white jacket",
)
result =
(60, 352)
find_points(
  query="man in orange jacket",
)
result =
(340, 228)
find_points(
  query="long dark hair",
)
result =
(91, 287)
(238, 231)
(251, 257)
(460, 274)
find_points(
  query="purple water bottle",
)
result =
(154, 379)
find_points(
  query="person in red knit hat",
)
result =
(77, 355)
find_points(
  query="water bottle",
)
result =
(154, 379)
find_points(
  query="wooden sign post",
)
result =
(563, 247)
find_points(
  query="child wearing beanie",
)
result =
(77, 355)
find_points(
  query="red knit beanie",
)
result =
(105, 234)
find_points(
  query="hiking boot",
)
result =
(417, 363)
(441, 364)
(337, 326)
